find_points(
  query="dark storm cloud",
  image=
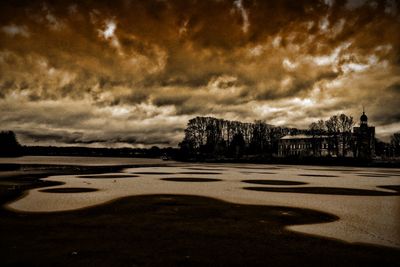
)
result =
(171, 99)
(395, 88)
(77, 66)
(300, 85)
(391, 113)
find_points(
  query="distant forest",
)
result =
(10, 147)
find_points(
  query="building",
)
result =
(303, 145)
(364, 139)
(361, 145)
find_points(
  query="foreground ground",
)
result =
(166, 230)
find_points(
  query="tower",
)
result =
(364, 119)
(364, 139)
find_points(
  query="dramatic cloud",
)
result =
(131, 73)
(13, 30)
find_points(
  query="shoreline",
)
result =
(102, 161)
(344, 162)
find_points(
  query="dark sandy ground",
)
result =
(166, 230)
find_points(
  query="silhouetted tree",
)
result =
(238, 145)
(338, 129)
(276, 134)
(346, 124)
(317, 130)
(155, 151)
(9, 145)
(395, 143)
(212, 137)
(383, 149)
(259, 137)
(333, 129)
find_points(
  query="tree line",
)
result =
(208, 136)
(394, 147)
(211, 137)
(9, 145)
(337, 130)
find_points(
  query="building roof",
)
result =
(297, 136)
(301, 136)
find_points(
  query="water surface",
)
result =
(368, 206)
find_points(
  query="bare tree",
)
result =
(395, 143)
(9, 145)
(332, 126)
(212, 136)
(346, 124)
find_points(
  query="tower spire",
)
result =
(363, 118)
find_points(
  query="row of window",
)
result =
(302, 146)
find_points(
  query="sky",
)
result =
(132, 73)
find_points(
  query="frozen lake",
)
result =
(367, 200)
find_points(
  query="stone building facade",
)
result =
(303, 145)
(362, 144)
